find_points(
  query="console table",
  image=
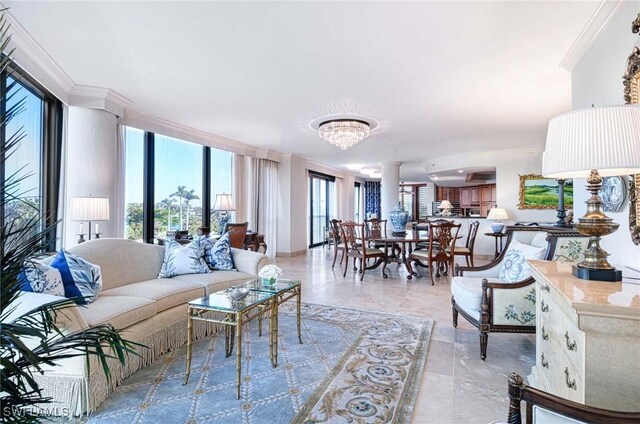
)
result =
(587, 338)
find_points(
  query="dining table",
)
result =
(399, 247)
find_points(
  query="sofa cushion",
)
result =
(81, 279)
(41, 278)
(467, 292)
(179, 259)
(217, 253)
(216, 281)
(119, 311)
(166, 292)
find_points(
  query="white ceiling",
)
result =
(441, 77)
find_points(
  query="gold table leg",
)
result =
(273, 330)
(238, 353)
(299, 301)
(189, 345)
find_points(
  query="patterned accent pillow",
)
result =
(179, 259)
(81, 278)
(514, 264)
(218, 254)
(41, 278)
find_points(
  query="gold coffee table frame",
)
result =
(262, 300)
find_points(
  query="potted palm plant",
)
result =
(22, 240)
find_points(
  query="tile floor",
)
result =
(457, 386)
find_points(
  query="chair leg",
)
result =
(344, 252)
(466, 258)
(346, 265)
(409, 269)
(471, 259)
(455, 316)
(431, 271)
(335, 257)
(484, 339)
(363, 268)
(355, 267)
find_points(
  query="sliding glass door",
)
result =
(321, 193)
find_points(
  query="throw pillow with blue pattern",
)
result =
(514, 264)
(218, 253)
(179, 259)
(81, 279)
(41, 278)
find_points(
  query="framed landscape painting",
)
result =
(537, 192)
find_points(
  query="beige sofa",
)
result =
(147, 309)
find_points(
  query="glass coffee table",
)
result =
(262, 300)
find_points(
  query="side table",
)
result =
(498, 239)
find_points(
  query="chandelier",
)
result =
(344, 133)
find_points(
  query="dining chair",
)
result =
(354, 236)
(442, 242)
(467, 249)
(338, 242)
(237, 233)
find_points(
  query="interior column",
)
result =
(389, 188)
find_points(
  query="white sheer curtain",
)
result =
(119, 215)
(239, 187)
(262, 200)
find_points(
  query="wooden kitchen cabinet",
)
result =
(485, 193)
(465, 197)
(474, 193)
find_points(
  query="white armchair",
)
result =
(500, 296)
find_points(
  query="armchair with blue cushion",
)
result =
(500, 296)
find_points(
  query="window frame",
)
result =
(50, 150)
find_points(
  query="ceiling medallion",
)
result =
(344, 133)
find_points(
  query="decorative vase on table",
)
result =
(269, 281)
(399, 218)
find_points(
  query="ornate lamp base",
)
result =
(597, 274)
(222, 223)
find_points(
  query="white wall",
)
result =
(597, 80)
(91, 165)
(509, 165)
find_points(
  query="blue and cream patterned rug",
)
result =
(353, 366)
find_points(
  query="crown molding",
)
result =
(29, 55)
(269, 154)
(590, 33)
(99, 98)
(161, 126)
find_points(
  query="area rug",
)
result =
(353, 366)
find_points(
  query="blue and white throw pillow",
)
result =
(514, 264)
(41, 278)
(218, 254)
(179, 259)
(81, 278)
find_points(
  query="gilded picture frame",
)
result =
(631, 83)
(537, 192)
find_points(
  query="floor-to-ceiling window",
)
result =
(221, 182)
(170, 184)
(357, 202)
(321, 204)
(30, 175)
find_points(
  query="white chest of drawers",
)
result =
(587, 338)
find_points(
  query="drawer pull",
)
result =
(545, 335)
(570, 384)
(543, 362)
(543, 306)
(545, 287)
(571, 345)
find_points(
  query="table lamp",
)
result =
(498, 215)
(445, 206)
(594, 143)
(89, 209)
(224, 205)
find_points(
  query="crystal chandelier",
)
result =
(344, 133)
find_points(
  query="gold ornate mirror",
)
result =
(631, 81)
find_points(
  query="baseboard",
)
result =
(291, 254)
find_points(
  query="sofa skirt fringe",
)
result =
(75, 396)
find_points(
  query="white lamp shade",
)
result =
(445, 204)
(606, 139)
(223, 202)
(497, 214)
(89, 209)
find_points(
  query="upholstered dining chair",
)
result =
(442, 242)
(467, 249)
(338, 243)
(237, 233)
(500, 297)
(354, 236)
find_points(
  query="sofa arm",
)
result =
(247, 261)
